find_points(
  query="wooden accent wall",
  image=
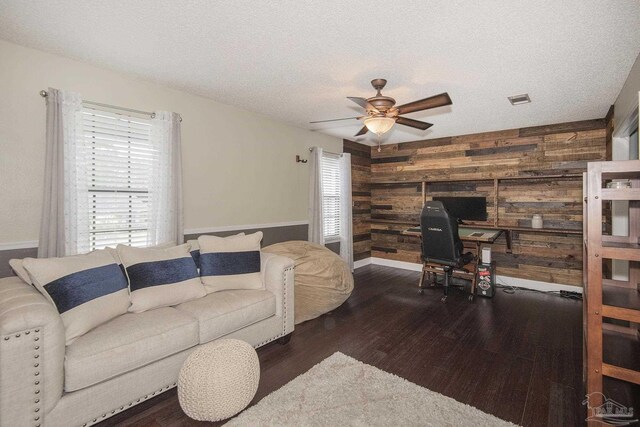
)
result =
(535, 152)
(361, 195)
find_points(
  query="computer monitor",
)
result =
(465, 208)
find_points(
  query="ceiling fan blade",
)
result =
(413, 123)
(363, 103)
(424, 104)
(335, 120)
(362, 131)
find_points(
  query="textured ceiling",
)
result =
(297, 61)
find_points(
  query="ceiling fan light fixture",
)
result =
(379, 125)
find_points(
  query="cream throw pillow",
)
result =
(160, 277)
(18, 268)
(195, 248)
(87, 290)
(230, 262)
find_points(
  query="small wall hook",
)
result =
(299, 160)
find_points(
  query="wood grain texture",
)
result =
(471, 162)
(611, 315)
(361, 197)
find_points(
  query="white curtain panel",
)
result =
(60, 214)
(316, 234)
(165, 192)
(346, 227)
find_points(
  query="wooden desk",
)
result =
(477, 235)
(471, 235)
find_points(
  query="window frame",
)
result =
(114, 136)
(331, 238)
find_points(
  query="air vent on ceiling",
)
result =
(519, 99)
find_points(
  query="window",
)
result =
(118, 158)
(331, 196)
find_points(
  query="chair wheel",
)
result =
(421, 291)
(470, 298)
(443, 299)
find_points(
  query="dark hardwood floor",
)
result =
(518, 356)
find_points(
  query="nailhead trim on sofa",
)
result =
(129, 405)
(37, 405)
(166, 388)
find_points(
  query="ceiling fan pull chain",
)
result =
(379, 143)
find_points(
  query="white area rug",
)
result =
(342, 391)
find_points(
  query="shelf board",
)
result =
(543, 230)
(499, 178)
(620, 194)
(621, 355)
(621, 303)
(616, 239)
(393, 221)
(621, 251)
(560, 176)
(618, 297)
(374, 183)
(620, 373)
(487, 226)
(616, 283)
(620, 313)
(620, 169)
(615, 327)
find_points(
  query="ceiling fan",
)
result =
(381, 113)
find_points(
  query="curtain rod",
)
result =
(329, 152)
(44, 94)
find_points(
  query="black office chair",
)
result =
(441, 243)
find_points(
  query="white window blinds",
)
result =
(118, 158)
(331, 195)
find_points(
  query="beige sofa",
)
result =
(127, 360)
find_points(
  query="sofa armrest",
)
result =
(278, 277)
(32, 346)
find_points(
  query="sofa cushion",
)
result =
(126, 343)
(221, 313)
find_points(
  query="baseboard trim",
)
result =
(361, 262)
(516, 282)
(396, 264)
(244, 227)
(18, 245)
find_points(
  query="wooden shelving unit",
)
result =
(611, 347)
(495, 223)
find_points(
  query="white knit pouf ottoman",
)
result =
(218, 380)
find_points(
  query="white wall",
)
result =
(626, 105)
(239, 167)
(625, 118)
